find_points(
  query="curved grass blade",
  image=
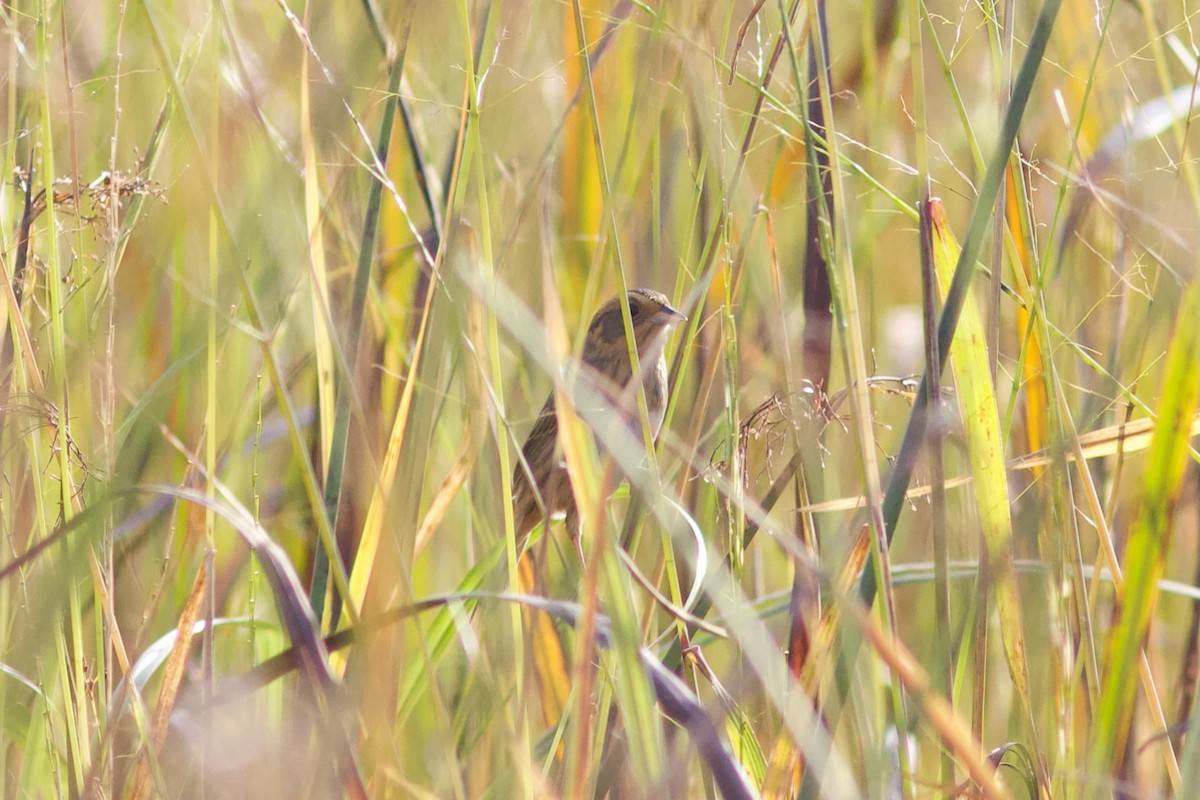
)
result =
(674, 697)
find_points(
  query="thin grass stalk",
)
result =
(671, 566)
(1051, 543)
(1190, 660)
(469, 158)
(108, 396)
(939, 712)
(914, 433)
(336, 460)
(1146, 550)
(71, 654)
(323, 335)
(137, 704)
(436, 642)
(645, 741)
(941, 549)
(1106, 555)
(818, 296)
(365, 558)
(1154, 43)
(834, 232)
(937, 476)
(79, 428)
(287, 408)
(815, 355)
(407, 452)
(211, 354)
(148, 768)
(1056, 242)
(618, 585)
(1189, 719)
(707, 261)
(981, 421)
(1000, 40)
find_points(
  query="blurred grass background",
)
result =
(283, 283)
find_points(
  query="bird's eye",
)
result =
(633, 311)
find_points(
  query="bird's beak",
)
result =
(668, 316)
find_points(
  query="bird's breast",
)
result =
(656, 420)
(656, 396)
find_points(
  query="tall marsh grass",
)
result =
(286, 284)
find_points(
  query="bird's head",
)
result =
(650, 312)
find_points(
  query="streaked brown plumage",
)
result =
(606, 354)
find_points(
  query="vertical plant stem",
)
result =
(362, 278)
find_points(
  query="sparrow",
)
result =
(541, 487)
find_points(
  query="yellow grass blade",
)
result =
(985, 453)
